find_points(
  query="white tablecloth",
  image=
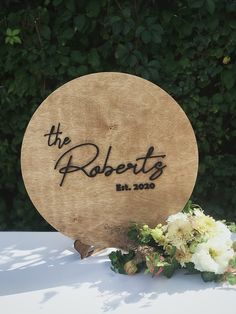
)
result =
(40, 272)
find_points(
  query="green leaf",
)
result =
(133, 232)
(11, 40)
(132, 60)
(156, 38)
(231, 279)
(170, 269)
(117, 28)
(210, 6)
(232, 262)
(196, 4)
(146, 36)
(126, 12)
(64, 60)
(78, 56)
(121, 51)
(228, 78)
(145, 236)
(231, 226)
(232, 24)
(188, 207)
(9, 32)
(7, 40)
(70, 5)
(208, 276)
(94, 58)
(154, 64)
(17, 40)
(56, 2)
(93, 8)
(67, 33)
(114, 19)
(80, 22)
(15, 32)
(118, 260)
(139, 30)
(191, 269)
(45, 32)
(82, 70)
(234, 248)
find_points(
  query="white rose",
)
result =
(213, 255)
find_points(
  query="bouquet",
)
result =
(189, 240)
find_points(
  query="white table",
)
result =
(40, 272)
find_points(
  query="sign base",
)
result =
(85, 250)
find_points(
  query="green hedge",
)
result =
(186, 47)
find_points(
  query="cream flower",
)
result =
(202, 223)
(178, 216)
(207, 225)
(179, 232)
(183, 257)
(213, 255)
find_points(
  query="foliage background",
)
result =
(187, 47)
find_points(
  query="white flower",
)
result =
(179, 230)
(183, 257)
(222, 232)
(202, 223)
(213, 255)
(198, 212)
(178, 216)
(207, 226)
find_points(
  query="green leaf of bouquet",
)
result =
(170, 269)
(140, 234)
(170, 250)
(232, 262)
(158, 262)
(133, 232)
(231, 279)
(231, 226)
(208, 276)
(234, 246)
(145, 234)
(188, 207)
(118, 260)
(191, 269)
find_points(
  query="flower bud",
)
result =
(130, 267)
(145, 227)
(226, 60)
(156, 234)
(193, 247)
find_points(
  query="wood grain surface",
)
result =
(121, 118)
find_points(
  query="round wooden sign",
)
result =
(105, 150)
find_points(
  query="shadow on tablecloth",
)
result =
(49, 261)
